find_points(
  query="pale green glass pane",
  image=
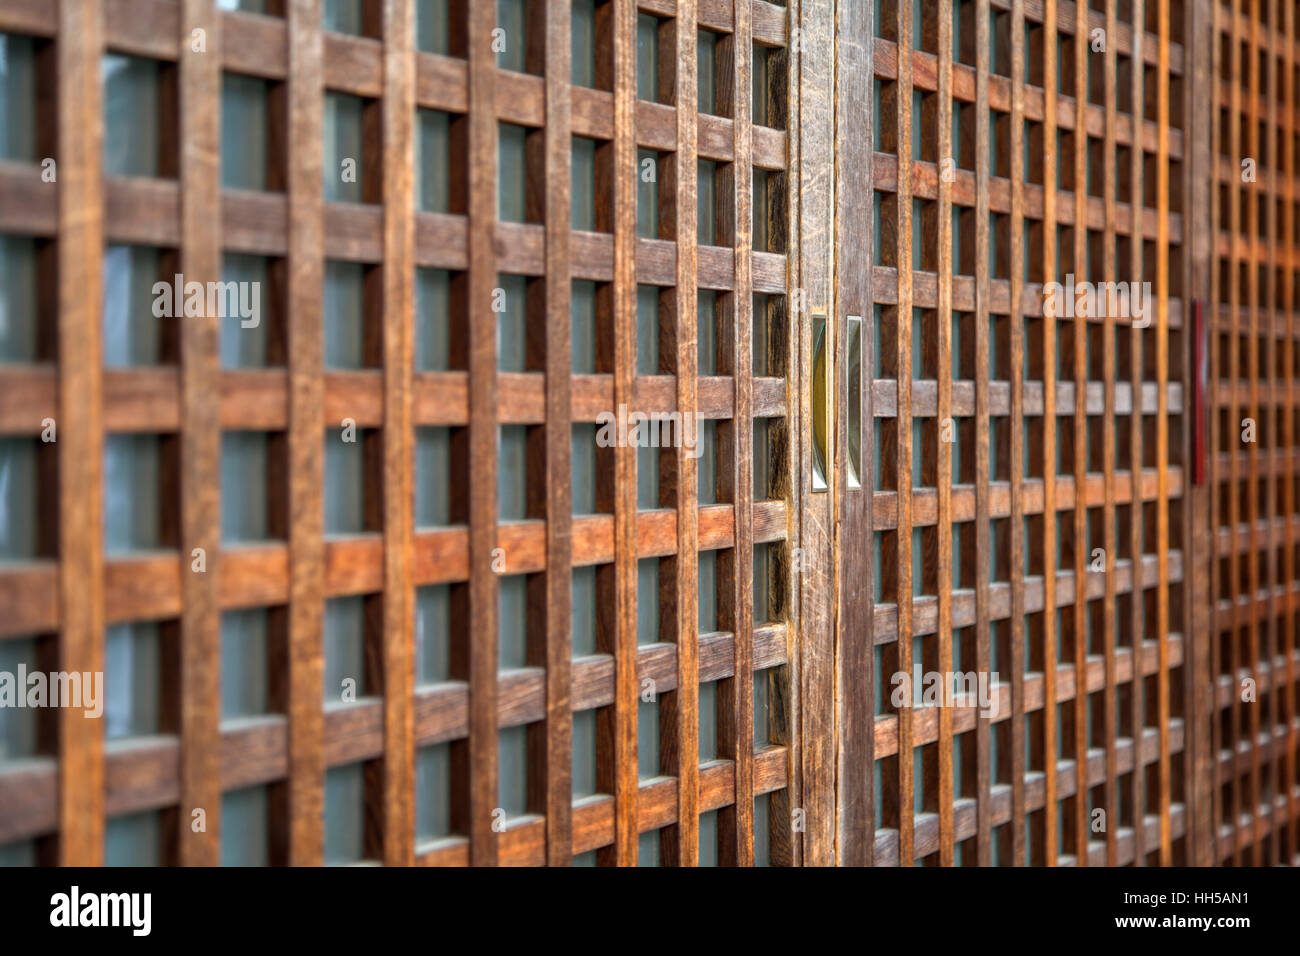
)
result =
(708, 721)
(432, 152)
(512, 461)
(243, 131)
(758, 76)
(135, 840)
(244, 478)
(244, 837)
(21, 853)
(583, 468)
(512, 606)
(18, 277)
(431, 26)
(244, 662)
(709, 838)
(762, 711)
(432, 633)
(19, 484)
(647, 738)
(345, 315)
(432, 477)
(647, 57)
(512, 173)
(760, 459)
(707, 463)
(18, 728)
(583, 199)
(706, 330)
(584, 611)
(705, 205)
(131, 330)
(344, 642)
(647, 477)
(432, 792)
(344, 484)
(17, 98)
(762, 831)
(705, 59)
(248, 6)
(647, 601)
(342, 136)
(342, 16)
(345, 798)
(647, 194)
(582, 325)
(585, 859)
(244, 335)
(648, 849)
(708, 600)
(432, 309)
(130, 115)
(511, 43)
(512, 334)
(512, 764)
(582, 26)
(132, 680)
(131, 514)
(584, 754)
(647, 330)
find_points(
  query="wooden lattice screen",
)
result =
(563, 651)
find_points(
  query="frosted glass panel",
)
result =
(431, 160)
(432, 785)
(432, 633)
(706, 326)
(512, 337)
(647, 477)
(583, 200)
(705, 58)
(583, 466)
(345, 315)
(705, 205)
(17, 98)
(130, 115)
(512, 20)
(131, 330)
(511, 172)
(582, 324)
(244, 477)
(512, 785)
(707, 463)
(513, 625)
(345, 798)
(432, 476)
(343, 138)
(431, 26)
(244, 840)
(132, 663)
(244, 340)
(244, 662)
(584, 753)
(709, 838)
(647, 194)
(17, 299)
(19, 483)
(432, 307)
(345, 474)
(18, 724)
(131, 510)
(647, 852)
(344, 633)
(584, 611)
(243, 131)
(647, 601)
(133, 841)
(763, 831)
(512, 457)
(761, 708)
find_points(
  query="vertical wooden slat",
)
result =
(80, 423)
(983, 290)
(1051, 849)
(200, 658)
(306, 803)
(1162, 423)
(1110, 533)
(483, 434)
(855, 253)
(903, 467)
(736, 472)
(554, 748)
(943, 433)
(679, 710)
(398, 442)
(619, 735)
(1017, 462)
